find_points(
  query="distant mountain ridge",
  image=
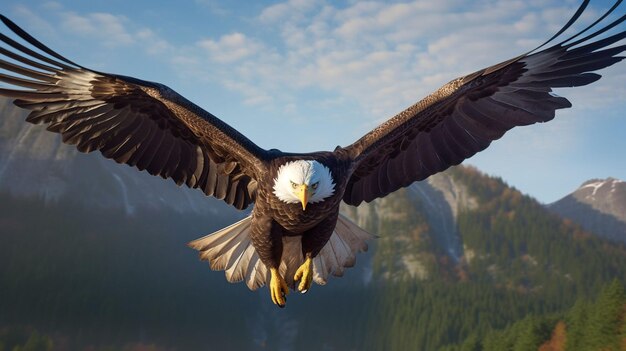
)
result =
(599, 205)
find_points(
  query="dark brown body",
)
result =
(272, 218)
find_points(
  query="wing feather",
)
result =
(139, 123)
(464, 116)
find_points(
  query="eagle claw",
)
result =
(278, 288)
(305, 275)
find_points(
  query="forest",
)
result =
(76, 279)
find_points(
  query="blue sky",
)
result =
(306, 75)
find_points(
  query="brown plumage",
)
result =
(151, 127)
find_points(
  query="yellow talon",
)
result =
(278, 288)
(305, 275)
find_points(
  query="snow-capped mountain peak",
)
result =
(599, 205)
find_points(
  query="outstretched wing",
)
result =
(464, 116)
(142, 124)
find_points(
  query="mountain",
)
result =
(93, 256)
(517, 260)
(430, 209)
(462, 221)
(599, 205)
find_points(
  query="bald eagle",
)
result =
(295, 234)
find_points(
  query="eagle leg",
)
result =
(305, 275)
(278, 288)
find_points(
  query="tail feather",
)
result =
(334, 257)
(259, 275)
(230, 249)
(353, 235)
(319, 270)
(217, 238)
(255, 275)
(332, 260)
(218, 248)
(236, 270)
(344, 255)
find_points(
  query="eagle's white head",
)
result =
(303, 181)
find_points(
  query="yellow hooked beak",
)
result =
(303, 194)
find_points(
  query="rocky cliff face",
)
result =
(417, 226)
(34, 162)
(599, 205)
(442, 198)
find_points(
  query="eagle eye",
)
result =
(315, 185)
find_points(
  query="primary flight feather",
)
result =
(295, 234)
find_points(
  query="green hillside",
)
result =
(588, 325)
(73, 278)
(519, 260)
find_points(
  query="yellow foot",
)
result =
(278, 288)
(305, 275)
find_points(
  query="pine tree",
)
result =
(534, 331)
(576, 322)
(623, 333)
(472, 343)
(605, 320)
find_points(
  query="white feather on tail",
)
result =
(230, 249)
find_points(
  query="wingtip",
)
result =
(34, 42)
(7, 22)
(569, 23)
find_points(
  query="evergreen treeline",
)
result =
(587, 326)
(102, 280)
(519, 261)
(515, 242)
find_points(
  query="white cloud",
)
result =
(253, 95)
(288, 10)
(214, 6)
(51, 5)
(102, 28)
(385, 56)
(152, 42)
(108, 28)
(230, 47)
(372, 49)
(34, 21)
